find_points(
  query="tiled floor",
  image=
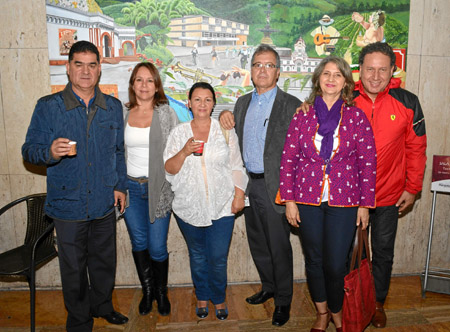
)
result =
(406, 311)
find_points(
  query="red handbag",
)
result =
(359, 297)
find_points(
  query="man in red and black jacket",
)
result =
(399, 129)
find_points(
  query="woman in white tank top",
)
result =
(148, 122)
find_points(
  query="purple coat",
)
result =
(352, 165)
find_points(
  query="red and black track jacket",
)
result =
(399, 129)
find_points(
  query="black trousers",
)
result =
(326, 233)
(383, 230)
(87, 261)
(268, 237)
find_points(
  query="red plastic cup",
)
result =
(199, 151)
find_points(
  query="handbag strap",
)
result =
(360, 241)
(226, 134)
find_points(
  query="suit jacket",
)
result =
(283, 110)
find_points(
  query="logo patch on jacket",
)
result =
(392, 117)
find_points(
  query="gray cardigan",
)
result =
(160, 192)
(283, 110)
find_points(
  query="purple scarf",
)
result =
(328, 121)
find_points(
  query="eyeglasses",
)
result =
(259, 65)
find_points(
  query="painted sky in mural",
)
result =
(202, 40)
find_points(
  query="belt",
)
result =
(138, 180)
(256, 175)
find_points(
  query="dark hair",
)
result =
(159, 98)
(83, 46)
(380, 47)
(346, 71)
(264, 48)
(203, 85)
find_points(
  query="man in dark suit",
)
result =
(262, 118)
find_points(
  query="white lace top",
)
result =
(204, 186)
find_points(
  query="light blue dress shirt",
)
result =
(255, 129)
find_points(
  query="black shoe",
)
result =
(281, 315)
(115, 317)
(222, 314)
(259, 297)
(201, 312)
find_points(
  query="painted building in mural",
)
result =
(68, 22)
(200, 30)
(297, 61)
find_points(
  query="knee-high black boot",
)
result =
(145, 273)
(161, 270)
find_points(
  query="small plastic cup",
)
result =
(199, 151)
(73, 148)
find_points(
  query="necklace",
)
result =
(145, 111)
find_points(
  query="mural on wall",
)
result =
(202, 40)
(67, 37)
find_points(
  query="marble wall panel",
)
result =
(413, 73)
(436, 30)
(126, 270)
(22, 24)
(8, 239)
(299, 259)
(179, 267)
(26, 184)
(21, 88)
(240, 263)
(440, 249)
(3, 161)
(416, 23)
(435, 97)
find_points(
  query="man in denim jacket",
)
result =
(82, 189)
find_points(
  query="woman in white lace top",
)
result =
(209, 190)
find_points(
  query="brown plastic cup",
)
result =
(199, 151)
(73, 148)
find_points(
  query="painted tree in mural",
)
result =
(152, 17)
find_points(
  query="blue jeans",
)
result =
(327, 233)
(144, 234)
(208, 256)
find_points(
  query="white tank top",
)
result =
(137, 145)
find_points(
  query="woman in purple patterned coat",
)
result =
(327, 181)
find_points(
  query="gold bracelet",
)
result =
(236, 196)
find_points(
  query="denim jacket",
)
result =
(79, 187)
